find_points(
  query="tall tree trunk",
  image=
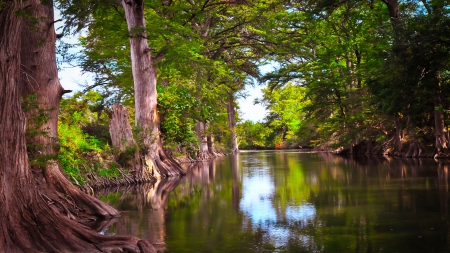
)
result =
(393, 10)
(28, 221)
(40, 77)
(232, 124)
(145, 95)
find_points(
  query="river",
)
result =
(292, 201)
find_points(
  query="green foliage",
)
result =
(285, 112)
(176, 107)
(253, 135)
(343, 68)
(319, 95)
(210, 49)
(125, 157)
(413, 80)
(83, 136)
(81, 153)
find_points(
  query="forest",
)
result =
(349, 77)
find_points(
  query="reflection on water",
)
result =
(291, 201)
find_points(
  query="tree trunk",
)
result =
(393, 9)
(441, 139)
(39, 76)
(439, 123)
(120, 128)
(211, 148)
(232, 124)
(122, 138)
(28, 219)
(203, 152)
(145, 95)
(398, 138)
(416, 147)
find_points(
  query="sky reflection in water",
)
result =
(257, 204)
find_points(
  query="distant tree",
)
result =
(253, 135)
(286, 112)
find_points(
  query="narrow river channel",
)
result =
(292, 201)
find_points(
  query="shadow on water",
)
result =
(290, 201)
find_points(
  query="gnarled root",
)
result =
(31, 223)
(89, 204)
(160, 165)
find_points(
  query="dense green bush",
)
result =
(84, 137)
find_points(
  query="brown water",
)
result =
(291, 201)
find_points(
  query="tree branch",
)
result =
(160, 55)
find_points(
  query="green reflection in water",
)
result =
(287, 201)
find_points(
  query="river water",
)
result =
(292, 201)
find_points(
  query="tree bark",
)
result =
(29, 222)
(39, 76)
(393, 9)
(145, 95)
(120, 128)
(203, 151)
(232, 124)
(122, 137)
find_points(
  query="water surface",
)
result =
(292, 201)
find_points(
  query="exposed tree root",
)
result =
(45, 222)
(58, 181)
(95, 182)
(56, 236)
(212, 149)
(159, 165)
(416, 149)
